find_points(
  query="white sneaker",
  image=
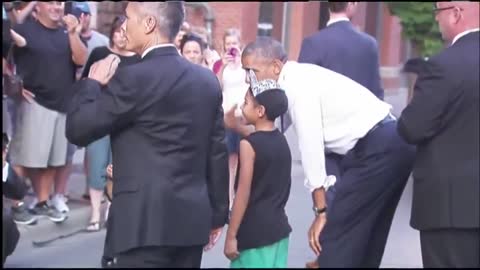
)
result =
(58, 201)
(66, 198)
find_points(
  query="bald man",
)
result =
(442, 120)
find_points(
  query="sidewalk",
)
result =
(78, 216)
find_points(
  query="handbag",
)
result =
(12, 82)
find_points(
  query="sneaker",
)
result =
(42, 209)
(58, 201)
(22, 216)
(66, 198)
(33, 203)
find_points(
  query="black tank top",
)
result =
(265, 221)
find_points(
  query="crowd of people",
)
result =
(195, 142)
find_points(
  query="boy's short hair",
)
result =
(5, 141)
(275, 102)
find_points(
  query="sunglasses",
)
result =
(438, 10)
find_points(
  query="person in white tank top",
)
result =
(232, 78)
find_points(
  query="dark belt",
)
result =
(389, 118)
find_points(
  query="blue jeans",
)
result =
(98, 157)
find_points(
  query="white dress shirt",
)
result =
(330, 113)
(457, 37)
(157, 46)
(337, 20)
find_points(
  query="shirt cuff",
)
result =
(329, 181)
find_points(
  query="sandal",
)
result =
(93, 227)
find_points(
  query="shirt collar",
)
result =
(281, 78)
(155, 47)
(337, 20)
(464, 33)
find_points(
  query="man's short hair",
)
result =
(170, 16)
(267, 48)
(337, 7)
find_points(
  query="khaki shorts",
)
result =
(39, 140)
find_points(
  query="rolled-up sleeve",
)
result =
(306, 114)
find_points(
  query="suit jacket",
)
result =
(342, 48)
(165, 119)
(443, 121)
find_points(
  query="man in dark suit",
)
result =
(443, 121)
(344, 49)
(164, 114)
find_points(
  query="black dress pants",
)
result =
(160, 257)
(373, 176)
(450, 248)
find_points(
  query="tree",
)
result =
(419, 25)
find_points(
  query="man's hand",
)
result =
(72, 24)
(29, 96)
(231, 248)
(229, 118)
(110, 171)
(312, 264)
(214, 236)
(314, 233)
(103, 70)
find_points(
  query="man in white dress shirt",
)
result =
(332, 113)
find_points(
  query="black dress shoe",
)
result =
(107, 262)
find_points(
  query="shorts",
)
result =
(272, 256)
(39, 139)
(98, 157)
(233, 141)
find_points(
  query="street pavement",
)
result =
(83, 250)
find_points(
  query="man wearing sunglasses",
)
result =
(442, 121)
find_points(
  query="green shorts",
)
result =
(273, 256)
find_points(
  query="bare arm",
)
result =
(21, 15)
(247, 159)
(79, 50)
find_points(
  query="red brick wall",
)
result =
(241, 15)
(106, 12)
(304, 20)
(391, 42)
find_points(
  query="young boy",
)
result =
(258, 232)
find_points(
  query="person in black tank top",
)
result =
(258, 230)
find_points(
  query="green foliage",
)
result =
(419, 25)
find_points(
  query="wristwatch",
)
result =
(319, 211)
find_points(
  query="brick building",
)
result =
(288, 22)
